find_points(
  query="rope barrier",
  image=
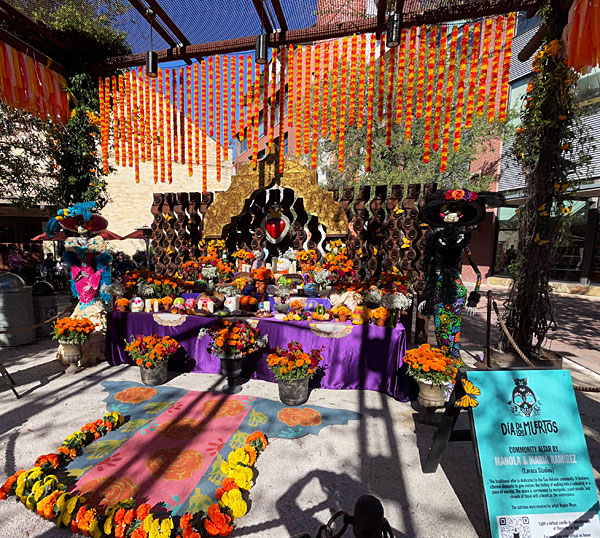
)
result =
(580, 388)
(29, 327)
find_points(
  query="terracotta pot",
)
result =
(342, 318)
(293, 392)
(380, 322)
(122, 308)
(431, 395)
(261, 286)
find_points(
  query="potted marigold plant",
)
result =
(151, 354)
(434, 371)
(71, 333)
(342, 313)
(380, 315)
(231, 341)
(293, 368)
(122, 304)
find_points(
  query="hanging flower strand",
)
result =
(255, 116)
(189, 120)
(440, 89)
(291, 86)
(510, 31)
(487, 36)
(233, 102)
(473, 67)
(273, 100)
(149, 113)
(242, 97)
(142, 114)
(154, 90)
(381, 81)
(211, 98)
(226, 102)
(308, 79)
(316, 107)
(104, 144)
(107, 114)
(429, 98)
(390, 97)
(204, 135)
(325, 93)
(411, 83)
(421, 71)
(161, 122)
(168, 133)
(194, 109)
(281, 109)
(218, 116)
(362, 59)
(136, 128)
(265, 105)
(122, 122)
(182, 121)
(401, 68)
(449, 93)
(334, 90)
(464, 46)
(370, 108)
(127, 80)
(299, 95)
(495, 66)
(175, 114)
(352, 103)
(115, 116)
(250, 103)
(344, 86)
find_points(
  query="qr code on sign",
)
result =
(514, 527)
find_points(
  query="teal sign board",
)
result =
(537, 476)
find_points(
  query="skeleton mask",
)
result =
(137, 304)
(523, 397)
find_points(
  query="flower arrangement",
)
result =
(427, 363)
(297, 305)
(380, 313)
(122, 303)
(399, 301)
(72, 330)
(166, 302)
(247, 302)
(149, 351)
(461, 194)
(342, 312)
(322, 276)
(233, 339)
(243, 255)
(373, 297)
(262, 273)
(288, 364)
(44, 494)
(336, 261)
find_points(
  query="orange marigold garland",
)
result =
(487, 36)
(273, 100)
(161, 121)
(189, 107)
(325, 62)
(334, 89)
(149, 113)
(282, 108)
(381, 81)
(299, 96)
(153, 89)
(127, 80)
(103, 133)
(308, 79)
(122, 122)
(182, 113)
(370, 109)
(142, 115)
(226, 104)
(255, 117)
(473, 67)
(390, 97)
(449, 92)
(175, 113)
(242, 97)
(211, 98)
(429, 98)
(421, 71)
(460, 100)
(401, 68)
(352, 104)
(136, 129)
(410, 90)
(291, 86)
(510, 30)
(204, 103)
(250, 103)
(495, 66)
(362, 67)
(218, 115)
(116, 126)
(265, 93)
(233, 74)
(344, 90)
(316, 106)
(107, 114)
(168, 134)
(440, 89)
(194, 111)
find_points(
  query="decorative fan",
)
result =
(275, 225)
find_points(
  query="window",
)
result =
(507, 240)
(524, 24)
(588, 88)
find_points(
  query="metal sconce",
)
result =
(261, 51)
(392, 36)
(151, 55)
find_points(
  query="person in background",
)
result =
(15, 260)
(48, 265)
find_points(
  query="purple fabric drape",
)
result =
(370, 357)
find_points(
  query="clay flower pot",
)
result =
(342, 318)
(122, 308)
(380, 322)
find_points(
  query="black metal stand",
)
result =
(9, 380)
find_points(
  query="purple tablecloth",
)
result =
(369, 357)
(310, 301)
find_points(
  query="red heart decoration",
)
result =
(275, 227)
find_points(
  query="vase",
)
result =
(231, 368)
(157, 375)
(293, 392)
(343, 319)
(431, 395)
(122, 308)
(380, 322)
(72, 355)
(280, 307)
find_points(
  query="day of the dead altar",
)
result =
(355, 356)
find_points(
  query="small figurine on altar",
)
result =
(452, 212)
(190, 305)
(262, 277)
(260, 257)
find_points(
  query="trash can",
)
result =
(16, 311)
(44, 307)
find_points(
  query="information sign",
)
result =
(537, 476)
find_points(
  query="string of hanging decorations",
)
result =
(444, 74)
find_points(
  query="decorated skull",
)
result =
(523, 398)
(136, 304)
(179, 300)
(190, 303)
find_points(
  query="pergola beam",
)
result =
(156, 24)
(262, 15)
(27, 49)
(280, 15)
(381, 7)
(157, 8)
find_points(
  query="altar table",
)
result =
(355, 356)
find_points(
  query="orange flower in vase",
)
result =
(380, 315)
(343, 313)
(122, 304)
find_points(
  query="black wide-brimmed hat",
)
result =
(458, 207)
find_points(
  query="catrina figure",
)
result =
(450, 214)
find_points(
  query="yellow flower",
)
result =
(67, 514)
(108, 525)
(242, 476)
(232, 499)
(166, 527)
(238, 456)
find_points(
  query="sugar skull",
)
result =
(190, 303)
(523, 398)
(136, 304)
